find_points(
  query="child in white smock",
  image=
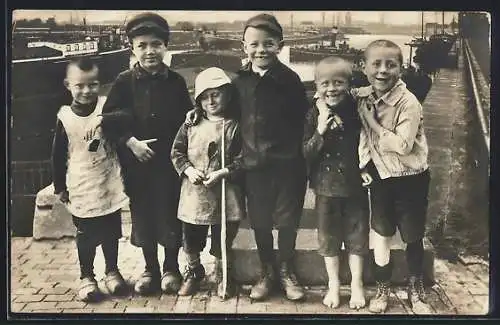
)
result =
(86, 175)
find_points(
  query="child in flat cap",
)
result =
(152, 101)
(273, 107)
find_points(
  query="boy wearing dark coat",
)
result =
(144, 109)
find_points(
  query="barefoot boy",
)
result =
(331, 149)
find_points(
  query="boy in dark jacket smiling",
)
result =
(152, 101)
(273, 108)
(331, 140)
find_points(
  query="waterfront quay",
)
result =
(44, 272)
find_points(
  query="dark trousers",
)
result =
(170, 263)
(195, 237)
(92, 232)
(286, 244)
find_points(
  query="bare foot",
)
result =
(332, 297)
(357, 296)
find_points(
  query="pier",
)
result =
(44, 271)
(44, 262)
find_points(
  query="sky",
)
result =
(96, 16)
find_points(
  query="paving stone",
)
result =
(98, 309)
(480, 271)
(182, 305)
(45, 311)
(78, 311)
(26, 291)
(47, 305)
(54, 291)
(483, 302)
(71, 304)
(164, 304)
(246, 306)
(17, 306)
(63, 277)
(138, 310)
(215, 305)
(59, 297)
(198, 304)
(28, 298)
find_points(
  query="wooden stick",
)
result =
(223, 216)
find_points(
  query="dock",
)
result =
(44, 272)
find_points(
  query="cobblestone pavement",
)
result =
(44, 278)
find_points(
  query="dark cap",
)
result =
(266, 21)
(148, 22)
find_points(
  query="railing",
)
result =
(476, 94)
(29, 177)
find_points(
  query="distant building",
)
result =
(339, 19)
(348, 19)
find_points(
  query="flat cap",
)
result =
(267, 21)
(148, 22)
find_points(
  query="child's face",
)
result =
(149, 50)
(382, 68)
(261, 47)
(214, 100)
(83, 85)
(332, 86)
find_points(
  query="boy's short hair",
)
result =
(387, 44)
(148, 23)
(85, 64)
(266, 22)
(343, 66)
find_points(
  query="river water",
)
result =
(306, 70)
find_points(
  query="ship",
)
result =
(39, 60)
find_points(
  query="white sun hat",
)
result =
(210, 78)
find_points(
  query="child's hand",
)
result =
(324, 122)
(194, 175)
(140, 149)
(192, 117)
(369, 112)
(367, 179)
(215, 176)
(92, 128)
(337, 122)
(63, 196)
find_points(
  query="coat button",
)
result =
(338, 154)
(341, 137)
(327, 155)
(153, 115)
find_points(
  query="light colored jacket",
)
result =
(199, 146)
(401, 149)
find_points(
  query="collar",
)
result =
(322, 106)
(83, 109)
(260, 71)
(275, 71)
(390, 98)
(141, 73)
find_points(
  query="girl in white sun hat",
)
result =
(211, 189)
